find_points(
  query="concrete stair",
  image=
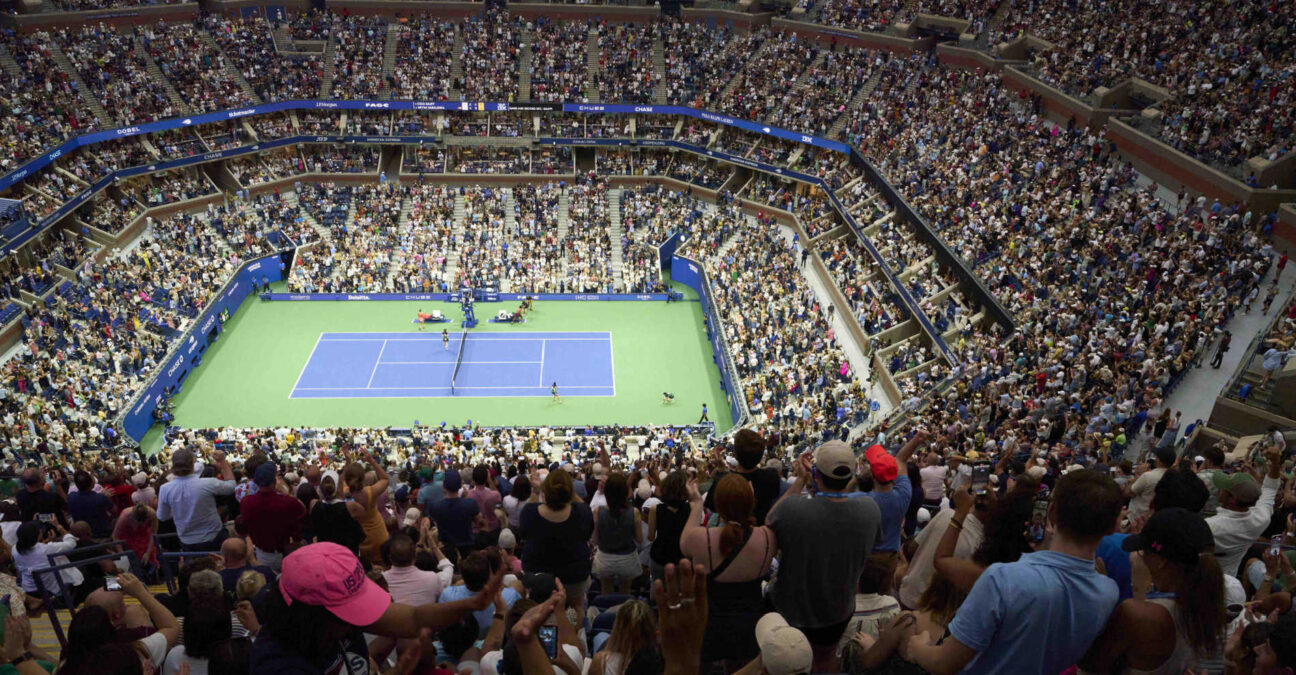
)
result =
(291, 198)
(856, 103)
(330, 69)
(737, 77)
(904, 12)
(402, 228)
(614, 214)
(389, 58)
(659, 66)
(456, 64)
(231, 69)
(524, 65)
(282, 38)
(10, 66)
(457, 232)
(564, 222)
(91, 101)
(592, 53)
(995, 21)
(155, 71)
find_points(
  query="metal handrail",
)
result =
(65, 591)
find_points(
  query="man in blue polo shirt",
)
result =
(1039, 614)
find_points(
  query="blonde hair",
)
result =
(249, 584)
(634, 629)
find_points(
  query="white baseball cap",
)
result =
(784, 649)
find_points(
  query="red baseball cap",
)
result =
(330, 576)
(882, 464)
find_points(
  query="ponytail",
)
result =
(1201, 611)
(732, 535)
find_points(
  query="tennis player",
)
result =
(553, 389)
(668, 397)
(420, 318)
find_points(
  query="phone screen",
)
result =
(45, 517)
(110, 584)
(980, 478)
(549, 638)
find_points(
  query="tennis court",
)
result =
(404, 365)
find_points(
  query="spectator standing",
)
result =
(738, 554)
(749, 450)
(272, 517)
(84, 504)
(1168, 634)
(455, 516)
(1041, 613)
(485, 532)
(33, 551)
(617, 533)
(666, 522)
(368, 496)
(1141, 490)
(1245, 508)
(813, 591)
(556, 529)
(39, 499)
(137, 526)
(1214, 457)
(191, 501)
(892, 491)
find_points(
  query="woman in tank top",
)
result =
(1182, 626)
(617, 535)
(738, 555)
(666, 524)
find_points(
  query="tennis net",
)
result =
(463, 338)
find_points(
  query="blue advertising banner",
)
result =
(188, 352)
(691, 274)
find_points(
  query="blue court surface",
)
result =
(405, 365)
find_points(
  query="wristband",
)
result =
(26, 656)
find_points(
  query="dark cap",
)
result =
(1175, 534)
(540, 586)
(265, 474)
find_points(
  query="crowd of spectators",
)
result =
(492, 43)
(195, 67)
(112, 67)
(626, 73)
(360, 43)
(274, 76)
(558, 62)
(588, 245)
(427, 242)
(423, 55)
(700, 59)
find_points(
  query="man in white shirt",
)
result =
(933, 475)
(921, 569)
(1140, 492)
(409, 584)
(191, 501)
(1245, 508)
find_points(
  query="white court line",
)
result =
(375, 368)
(611, 364)
(457, 395)
(308, 360)
(457, 388)
(475, 338)
(451, 363)
(542, 351)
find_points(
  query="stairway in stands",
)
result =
(592, 53)
(457, 230)
(230, 67)
(330, 68)
(88, 97)
(659, 65)
(524, 65)
(564, 222)
(291, 198)
(155, 71)
(402, 229)
(613, 197)
(856, 103)
(456, 63)
(389, 58)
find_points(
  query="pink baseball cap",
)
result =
(330, 576)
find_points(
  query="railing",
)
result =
(64, 591)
